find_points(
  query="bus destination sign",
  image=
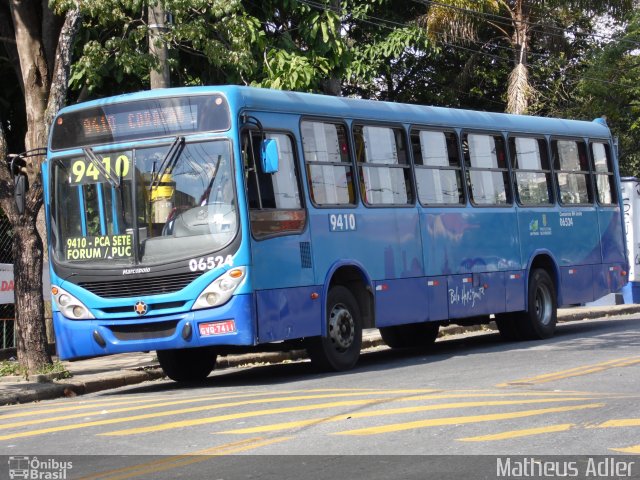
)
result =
(104, 247)
(163, 119)
(140, 120)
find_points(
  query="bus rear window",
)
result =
(141, 119)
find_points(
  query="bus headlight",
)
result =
(69, 305)
(221, 289)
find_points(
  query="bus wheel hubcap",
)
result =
(543, 305)
(341, 327)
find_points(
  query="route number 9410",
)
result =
(342, 222)
(86, 172)
(209, 263)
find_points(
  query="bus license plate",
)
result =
(217, 328)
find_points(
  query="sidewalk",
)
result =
(115, 371)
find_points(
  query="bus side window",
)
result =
(326, 154)
(572, 171)
(487, 171)
(605, 180)
(438, 169)
(275, 206)
(385, 172)
(532, 172)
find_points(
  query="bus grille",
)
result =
(305, 255)
(137, 287)
(144, 331)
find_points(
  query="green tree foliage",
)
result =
(607, 85)
(212, 41)
(522, 26)
(302, 45)
(390, 52)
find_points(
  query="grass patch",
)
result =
(9, 367)
(13, 368)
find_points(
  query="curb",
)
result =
(572, 315)
(34, 392)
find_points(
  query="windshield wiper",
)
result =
(97, 162)
(168, 162)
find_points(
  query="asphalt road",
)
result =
(575, 395)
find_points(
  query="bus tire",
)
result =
(539, 321)
(187, 364)
(413, 335)
(340, 348)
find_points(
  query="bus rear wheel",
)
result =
(539, 320)
(187, 364)
(414, 335)
(339, 349)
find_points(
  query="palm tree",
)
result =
(516, 22)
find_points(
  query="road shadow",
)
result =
(584, 336)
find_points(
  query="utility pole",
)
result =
(160, 78)
(332, 85)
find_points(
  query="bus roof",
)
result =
(262, 99)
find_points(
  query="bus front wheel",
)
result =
(187, 364)
(339, 349)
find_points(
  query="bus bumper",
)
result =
(230, 324)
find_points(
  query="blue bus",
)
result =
(198, 221)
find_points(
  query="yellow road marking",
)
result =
(390, 411)
(621, 422)
(178, 461)
(165, 402)
(574, 372)
(236, 416)
(32, 413)
(634, 449)
(192, 409)
(70, 403)
(188, 410)
(120, 410)
(519, 433)
(254, 401)
(436, 422)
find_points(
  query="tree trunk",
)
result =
(519, 90)
(161, 77)
(37, 76)
(31, 334)
(332, 85)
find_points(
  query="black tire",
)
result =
(340, 348)
(539, 321)
(414, 335)
(187, 364)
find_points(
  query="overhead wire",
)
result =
(507, 21)
(390, 24)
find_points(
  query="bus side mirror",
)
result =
(269, 156)
(20, 191)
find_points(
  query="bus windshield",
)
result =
(143, 206)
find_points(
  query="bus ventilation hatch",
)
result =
(137, 287)
(305, 254)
